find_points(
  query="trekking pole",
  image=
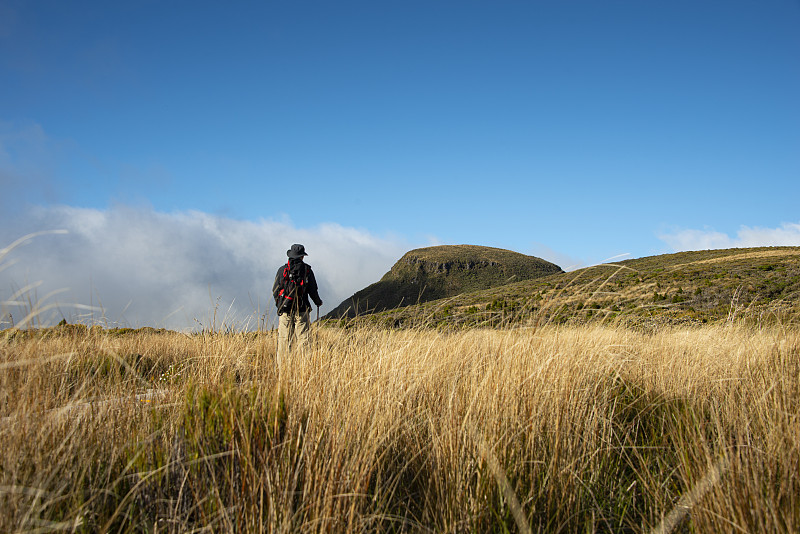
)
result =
(316, 336)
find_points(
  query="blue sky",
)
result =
(575, 131)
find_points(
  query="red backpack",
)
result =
(292, 287)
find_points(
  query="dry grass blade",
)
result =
(690, 499)
(502, 481)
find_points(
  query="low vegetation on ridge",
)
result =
(682, 288)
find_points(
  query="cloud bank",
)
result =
(788, 234)
(138, 267)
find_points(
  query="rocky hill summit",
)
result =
(432, 273)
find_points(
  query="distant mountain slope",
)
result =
(432, 273)
(687, 287)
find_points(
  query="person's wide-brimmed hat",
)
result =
(297, 251)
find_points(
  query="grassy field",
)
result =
(553, 429)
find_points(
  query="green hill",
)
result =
(683, 288)
(433, 273)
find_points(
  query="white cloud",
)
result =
(788, 234)
(147, 268)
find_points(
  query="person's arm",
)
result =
(276, 286)
(313, 291)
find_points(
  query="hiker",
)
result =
(294, 283)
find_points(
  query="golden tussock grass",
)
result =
(559, 429)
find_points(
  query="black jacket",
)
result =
(310, 285)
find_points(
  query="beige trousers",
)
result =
(291, 326)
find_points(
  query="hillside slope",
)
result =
(433, 273)
(682, 288)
